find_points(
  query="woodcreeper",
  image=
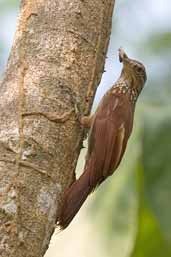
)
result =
(110, 128)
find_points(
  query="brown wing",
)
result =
(108, 137)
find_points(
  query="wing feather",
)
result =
(108, 139)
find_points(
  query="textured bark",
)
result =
(57, 59)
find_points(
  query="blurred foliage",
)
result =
(156, 40)
(154, 223)
(157, 47)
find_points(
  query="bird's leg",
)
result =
(86, 121)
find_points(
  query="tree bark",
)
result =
(57, 60)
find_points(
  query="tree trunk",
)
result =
(56, 61)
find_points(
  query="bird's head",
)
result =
(133, 71)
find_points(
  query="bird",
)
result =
(109, 130)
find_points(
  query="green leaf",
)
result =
(150, 241)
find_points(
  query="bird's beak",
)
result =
(122, 55)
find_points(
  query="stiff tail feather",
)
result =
(73, 199)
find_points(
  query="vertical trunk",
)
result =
(57, 59)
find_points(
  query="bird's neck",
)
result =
(126, 86)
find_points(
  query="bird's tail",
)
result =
(73, 199)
